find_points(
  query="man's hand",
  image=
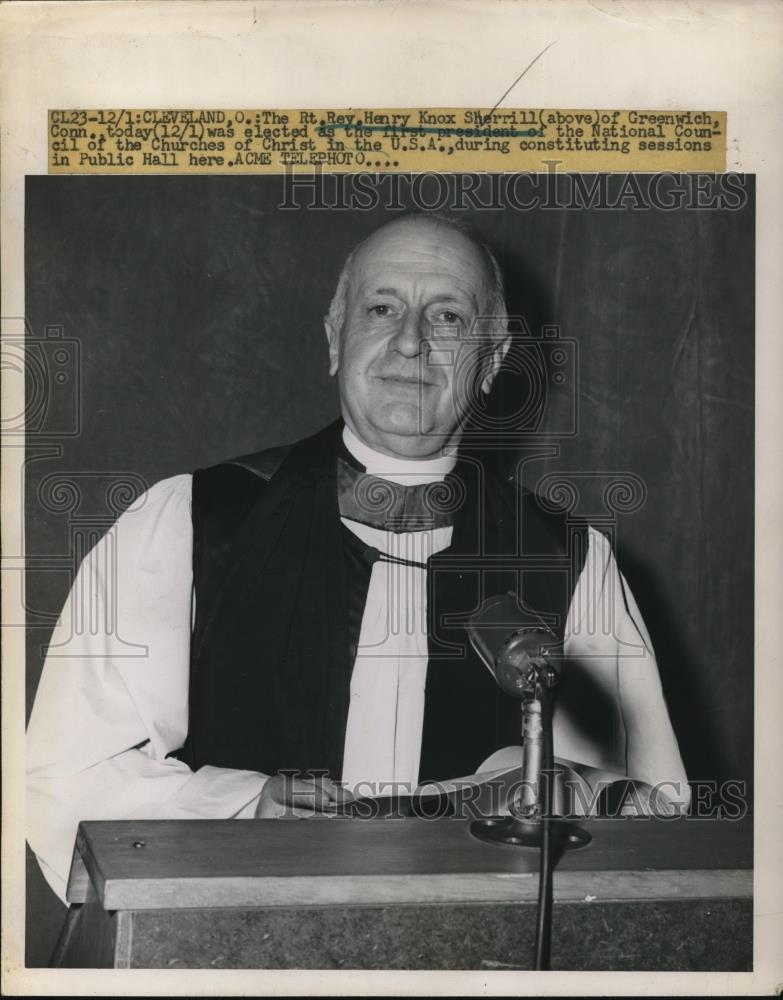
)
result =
(284, 796)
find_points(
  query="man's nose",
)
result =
(412, 337)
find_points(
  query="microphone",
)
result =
(513, 642)
(519, 648)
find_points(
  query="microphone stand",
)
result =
(532, 823)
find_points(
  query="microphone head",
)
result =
(510, 639)
(522, 650)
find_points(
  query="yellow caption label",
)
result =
(413, 140)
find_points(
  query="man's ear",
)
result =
(333, 339)
(495, 361)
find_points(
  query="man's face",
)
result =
(408, 354)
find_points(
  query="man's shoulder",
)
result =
(170, 492)
(542, 522)
(241, 479)
(548, 508)
(237, 480)
(263, 464)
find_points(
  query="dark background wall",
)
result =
(191, 311)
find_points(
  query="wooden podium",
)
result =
(337, 893)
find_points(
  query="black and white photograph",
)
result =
(347, 506)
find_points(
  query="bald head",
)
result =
(444, 230)
(404, 338)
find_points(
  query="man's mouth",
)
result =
(406, 380)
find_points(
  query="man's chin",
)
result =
(407, 432)
(404, 419)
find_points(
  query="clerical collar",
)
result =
(405, 471)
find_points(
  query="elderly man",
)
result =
(303, 608)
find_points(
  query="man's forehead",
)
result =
(421, 249)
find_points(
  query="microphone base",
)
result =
(512, 831)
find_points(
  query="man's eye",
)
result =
(381, 310)
(448, 318)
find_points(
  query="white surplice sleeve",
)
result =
(113, 697)
(607, 643)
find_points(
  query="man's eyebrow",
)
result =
(458, 299)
